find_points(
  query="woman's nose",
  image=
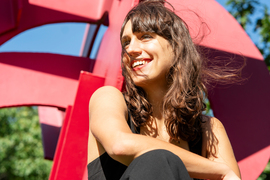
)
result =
(134, 48)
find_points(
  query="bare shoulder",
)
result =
(210, 123)
(107, 96)
(216, 144)
(211, 129)
(107, 102)
(106, 92)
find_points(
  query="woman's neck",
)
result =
(155, 97)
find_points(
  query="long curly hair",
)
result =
(183, 103)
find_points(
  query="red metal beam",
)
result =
(40, 78)
(71, 155)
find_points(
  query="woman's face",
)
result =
(150, 56)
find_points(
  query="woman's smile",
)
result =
(139, 64)
(148, 55)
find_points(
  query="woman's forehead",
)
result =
(127, 28)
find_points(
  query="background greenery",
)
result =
(21, 153)
(244, 11)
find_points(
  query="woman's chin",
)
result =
(140, 82)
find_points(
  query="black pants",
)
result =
(156, 165)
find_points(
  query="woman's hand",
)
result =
(230, 175)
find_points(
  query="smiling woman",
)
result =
(149, 56)
(156, 130)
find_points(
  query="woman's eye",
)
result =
(146, 36)
(125, 43)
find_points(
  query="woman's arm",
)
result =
(216, 144)
(108, 114)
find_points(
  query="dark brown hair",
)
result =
(183, 104)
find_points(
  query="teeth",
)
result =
(138, 63)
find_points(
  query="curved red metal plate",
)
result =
(40, 78)
(39, 12)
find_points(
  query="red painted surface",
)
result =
(84, 8)
(252, 165)
(32, 15)
(108, 59)
(50, 79)
(71, 155)
(242, 110)
(212, 26)
(61, 144)
(51, 116)
(8, 17)
(40, 78)
(51, 120)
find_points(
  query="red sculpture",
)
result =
(45, 79)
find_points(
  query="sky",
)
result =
(66, 38)
(255, 37)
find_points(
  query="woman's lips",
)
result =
(140, 66)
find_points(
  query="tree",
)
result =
(21, 153)
(243, 11)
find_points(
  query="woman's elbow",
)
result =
(118, 149)
(122, 148)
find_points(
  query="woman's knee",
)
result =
(160, 164)
(161, 155)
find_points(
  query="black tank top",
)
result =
(106, 168)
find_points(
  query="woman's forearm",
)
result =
(131, 146)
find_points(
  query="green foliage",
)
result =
(21, 153)
(243, 10)
(266, 173)
(263, 26)
(208, 111)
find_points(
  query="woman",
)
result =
(157, 130)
